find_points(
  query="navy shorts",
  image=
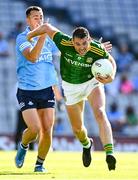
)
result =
(39, 99)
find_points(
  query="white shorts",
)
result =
(75, 93)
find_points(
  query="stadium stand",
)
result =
(115, 20)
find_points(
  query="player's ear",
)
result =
(27, 21)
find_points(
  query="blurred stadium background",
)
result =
(114, 20)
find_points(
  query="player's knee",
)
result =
(35, 129)
(47, 131)
(100, 114)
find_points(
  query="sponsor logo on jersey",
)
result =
(30, 103)
(45, 56)
(76, 63)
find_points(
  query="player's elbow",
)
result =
(33, 59)
(31, 55)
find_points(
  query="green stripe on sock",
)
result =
(85, 142)
(108, 149)
(107, 145)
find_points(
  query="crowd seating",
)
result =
(109, 19)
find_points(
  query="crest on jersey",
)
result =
(89, 60)
(79, 58)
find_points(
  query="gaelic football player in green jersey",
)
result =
(78, 53)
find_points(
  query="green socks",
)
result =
(86, 143)
(108, 149)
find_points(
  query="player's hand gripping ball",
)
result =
(102, 67)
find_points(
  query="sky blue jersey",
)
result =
(40, 74)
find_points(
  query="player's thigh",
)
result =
(31, 119)
(75, 113)
(97, 98)
(47, 117)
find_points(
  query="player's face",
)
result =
(81, 45)
(35, 19)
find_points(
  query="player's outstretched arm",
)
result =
(45, 28)
(107, 46)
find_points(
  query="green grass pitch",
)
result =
(68, 166)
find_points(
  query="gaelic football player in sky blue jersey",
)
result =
(36, 76)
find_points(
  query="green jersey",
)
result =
(74, 68)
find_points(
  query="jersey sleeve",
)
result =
(60, 37)
(23, 43)
(106, 54)
(54, 48)
(100, 50)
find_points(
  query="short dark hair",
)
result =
(80, 32)
(32, 8)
